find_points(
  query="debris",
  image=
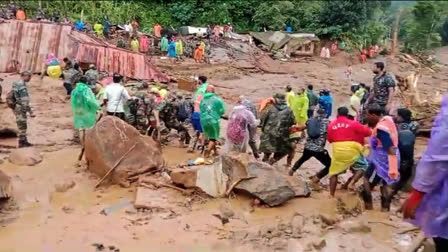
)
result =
(98, 246)
(65, 186)
(367, 243)
(185, 176)
(295, 246)
(297, 224)
(269, 186)
(25, 156)
(160, 184)
(327, 219)
(111, 131)
(108, 210)
(146, 198)
(67, 209)
(5, 186)
(319, 243)
(224, 220)
(355, 226)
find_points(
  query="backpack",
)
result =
(235, 131)
(11, 100)
(313, 128)
(184, 111)
(406, 142)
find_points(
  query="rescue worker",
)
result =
(166, 112)
(22, 106)
(143, 108)
(275, 126)
(92, 76)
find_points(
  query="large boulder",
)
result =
(25, 156)
(5, 186)
(268, 185)
(109, 140)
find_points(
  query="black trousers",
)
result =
(119, 115)
(68, 87)
(321, 156)
(441, 244)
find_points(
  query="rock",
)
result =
(185, 176)
(355, 226)
(300, 187)
(109, 140)
(295, 246)
(269, 186)
(367, 243)
(5, 186)
(155, 199)
(65, 186)
(240, 235)
(297, 223)
(327, 219)
(25, 156)
(67, 209)
(319, 243)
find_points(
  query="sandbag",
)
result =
(109, 140)
(54, 71)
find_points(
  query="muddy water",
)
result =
(71, 221)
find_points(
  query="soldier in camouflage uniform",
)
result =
(92, 76)
(22, 106)
(140, 108)
(275, 126)
(166, 112)
(71, 77)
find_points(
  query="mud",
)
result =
(56, 208)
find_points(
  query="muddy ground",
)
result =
(41, 217)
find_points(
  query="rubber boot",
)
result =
(385, 204)
(23, 142)
(367, 198)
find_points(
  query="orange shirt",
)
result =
(157, 30)
(198, 53)
(20, 15)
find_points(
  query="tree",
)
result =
(275, 15)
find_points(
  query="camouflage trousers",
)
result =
(20, 114)
(183, 132)
(141, 124)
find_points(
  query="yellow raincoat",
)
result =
(299, 107)
(289, 97)
(179, 47)
(344, 155)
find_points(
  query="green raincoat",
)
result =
(84, 106)
(212, 108)
(164, 44)
(299, 107)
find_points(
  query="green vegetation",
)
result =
(360, 23)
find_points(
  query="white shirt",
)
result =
(116, 95)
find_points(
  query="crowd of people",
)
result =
(375, 146)
(366, 138)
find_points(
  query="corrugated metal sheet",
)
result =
(24, 46)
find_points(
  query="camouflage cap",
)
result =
(26, 73)
(279, 96)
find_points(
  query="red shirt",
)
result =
(343, 129)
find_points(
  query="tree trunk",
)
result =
(395, 33)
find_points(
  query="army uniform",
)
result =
(21, 109)
(167, 115)
(71, 76)
(275, 126)
(92, 76)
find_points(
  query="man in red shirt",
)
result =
(347, 138)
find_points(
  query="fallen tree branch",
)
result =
(236, 183)
(115, 165)
(384, 223)
(408, 230)
(159, 184)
